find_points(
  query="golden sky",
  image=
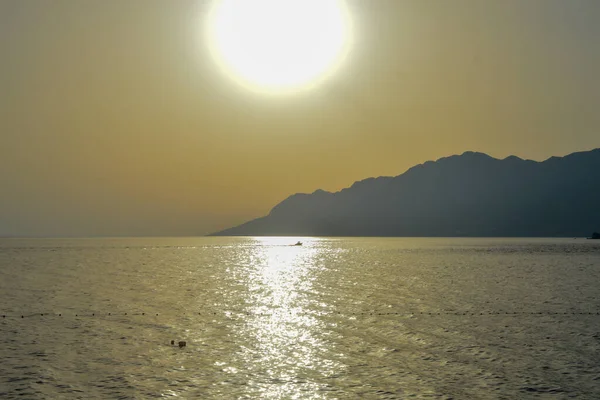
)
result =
(114, 120)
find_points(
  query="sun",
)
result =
(279, 45)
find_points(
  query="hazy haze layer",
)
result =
(115, 121)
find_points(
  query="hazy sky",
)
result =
(114, 120)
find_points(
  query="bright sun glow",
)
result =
(279, 45)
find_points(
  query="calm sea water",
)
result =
(334, 318)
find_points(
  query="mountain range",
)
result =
(471, 194)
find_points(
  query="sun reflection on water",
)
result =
(283, 338)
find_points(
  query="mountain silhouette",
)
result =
(471, 194)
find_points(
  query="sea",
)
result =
(333, 318)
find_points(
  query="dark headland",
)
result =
(471, 194)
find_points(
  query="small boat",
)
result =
(298, 243)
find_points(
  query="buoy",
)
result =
(182, 344)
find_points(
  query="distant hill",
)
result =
(471, 194)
